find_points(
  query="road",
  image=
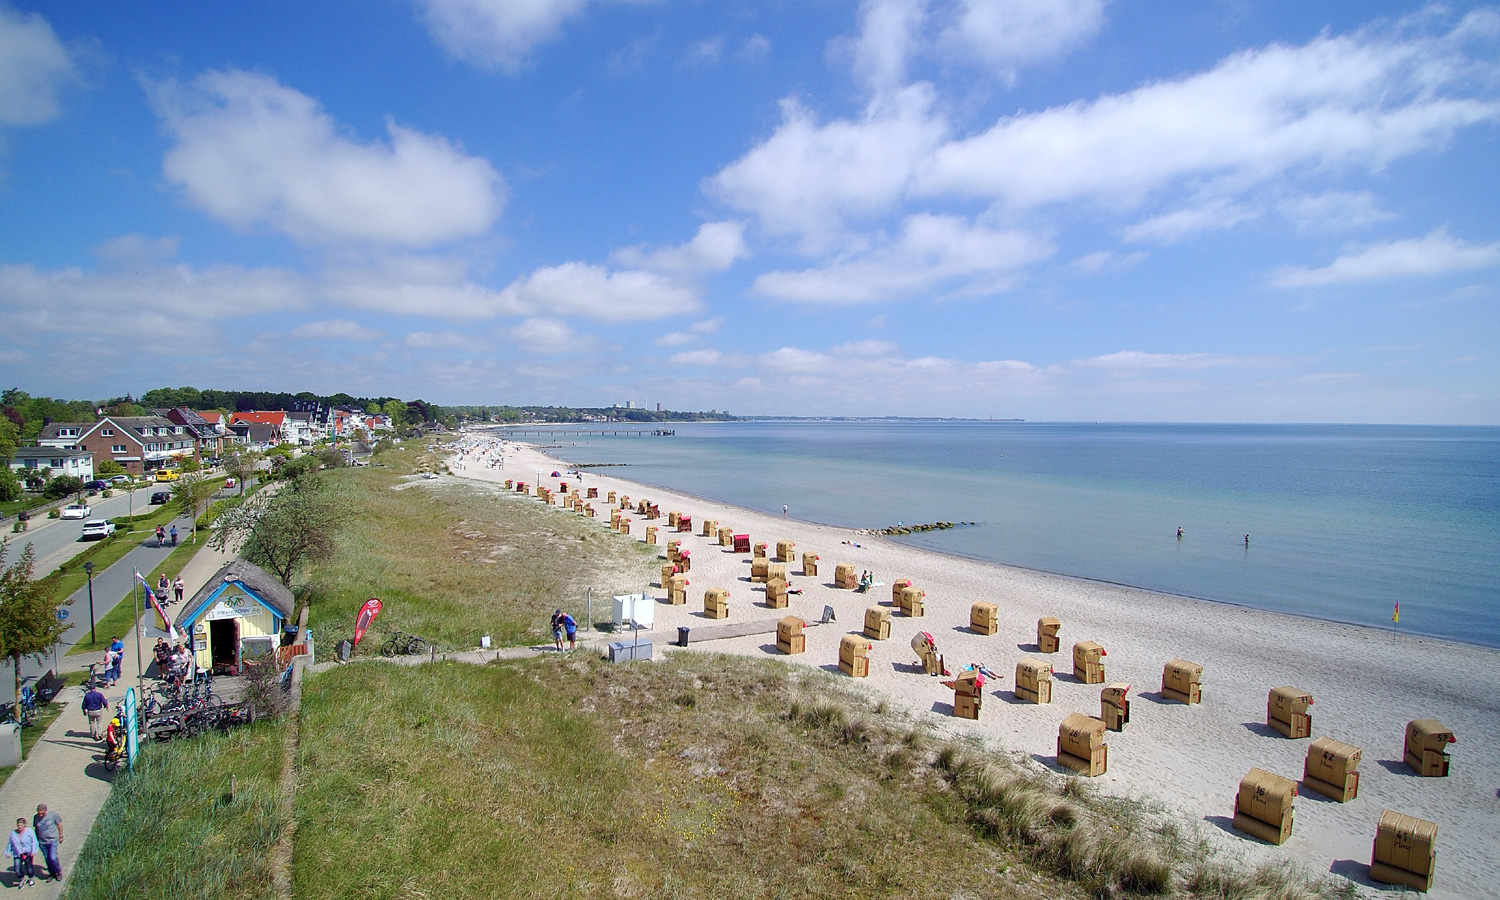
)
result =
(56, 540)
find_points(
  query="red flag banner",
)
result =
(367, 614)
(1396, 613)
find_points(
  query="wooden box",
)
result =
(809, 563)
(911, 603)
(1088, 662)
(1286, 711)
(726, 536)
(1331, 769)
(878, 623)
(1080, 745)
(1034, 681)
(845, 577)
(1263, 806)
(1180, 681)
(853, 656)
(789, 636)
(1426, 749)
(786, 551)
(1405, 851)
(776, 595)
(1114, 708)
(984, 618)
(716, 603)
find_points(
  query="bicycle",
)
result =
(112, 756)
(402, 644)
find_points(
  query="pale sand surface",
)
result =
(1189, 758)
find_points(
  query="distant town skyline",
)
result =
(1054, 210)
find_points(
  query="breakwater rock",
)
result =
(913, 529)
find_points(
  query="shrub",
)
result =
(62, 486)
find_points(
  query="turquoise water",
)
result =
(1344, 521)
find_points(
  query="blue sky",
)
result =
(1048, 209)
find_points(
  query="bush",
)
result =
(62, 486)
(54, 513)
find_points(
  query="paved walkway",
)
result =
(64, 769)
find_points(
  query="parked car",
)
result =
(95, 485)
(98, 530)
(120, 479)
(77, 511)
(160, 497)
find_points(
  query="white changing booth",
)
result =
(637, 609)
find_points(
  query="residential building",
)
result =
(275, 419)
(141, 444)
(78, 463)
(211, 438)
(257, 435)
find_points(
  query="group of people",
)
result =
(43, 834)
(167, 590)
(563, 622)
(172, 661)
(162, 535)
(114, 658)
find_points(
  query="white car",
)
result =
(77, 511)
(98, 530)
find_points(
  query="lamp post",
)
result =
(89, 568)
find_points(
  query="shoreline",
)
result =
(1123, 585)
(1189, 758)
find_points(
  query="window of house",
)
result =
(55, 463)
(107, 432)
(117, 448)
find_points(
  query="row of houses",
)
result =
(144, 444)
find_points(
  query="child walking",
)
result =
(22, 848)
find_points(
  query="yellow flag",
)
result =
(1396, 613)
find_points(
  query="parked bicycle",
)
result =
(400, 644)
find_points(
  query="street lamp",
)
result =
(89, 568)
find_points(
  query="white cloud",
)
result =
(695, 332)
(34, 67)
(443, 340)
(715, 247)
(546, 336)
(1436, 254)
(931, 252)
(1135, 360)
(887, 31)
(137, 249)
(582, 289)
(807, 178)
(252, 151)
(1169, 228)
(696, 358)
(756, 48)
(1357, 100)
(496, 33)
(334, 329)
(1006, 34)
(1333, 210)
(1107, 259)
(707, 51)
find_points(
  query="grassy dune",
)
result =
(452, 561)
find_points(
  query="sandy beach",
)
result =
(1366, 686)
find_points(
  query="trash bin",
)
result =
(682, 635)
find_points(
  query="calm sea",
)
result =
(1344, 521)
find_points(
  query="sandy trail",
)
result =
(1190, 758)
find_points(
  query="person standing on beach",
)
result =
(49, 837)
(22, 848)
(557, 628)
(783, 510)
(94, 705)
(1247, 540)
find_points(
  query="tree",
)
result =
(10, 485)
(191, 494)
(242, 465)
(109, 468)
(396, 411)
(10, 436)
(62, 486)
(373, 409)
(28, 618)
(283, 530)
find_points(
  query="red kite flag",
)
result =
(367, 614)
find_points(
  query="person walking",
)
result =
(117, 647)
(94, 705)
(571, 627)
(22, 849)
(178, 587)
(49, 836)
(174, 535)
(111, 659)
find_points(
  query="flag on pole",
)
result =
(367, 614)
(171, 629)
(1396, 613)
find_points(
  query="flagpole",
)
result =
(140, 669)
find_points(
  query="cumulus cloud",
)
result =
(250, 151)
(695, 332)
(1439, 253)
(1358, 100)
(335, 330)
(755, 49)
(1333, 210)
(1169, 228)
(887, 31)
(931, 252)
(583, 289)
(808, 178)
(137, 249)
(545, 336)
(696, 358)
(496, 34)
(715, 247)
(1006, 34)
(34, 68)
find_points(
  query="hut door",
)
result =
(224, 644)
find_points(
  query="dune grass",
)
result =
(452, 561)
(196, 819)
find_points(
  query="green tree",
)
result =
(10, 485)
(285, 529)
(373, 409)
(62, 486)
(396, 410)
(242, 466)
(10, 437)
(28, 619)
(191, 494)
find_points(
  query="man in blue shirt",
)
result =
(49, 835)
(94, 705)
